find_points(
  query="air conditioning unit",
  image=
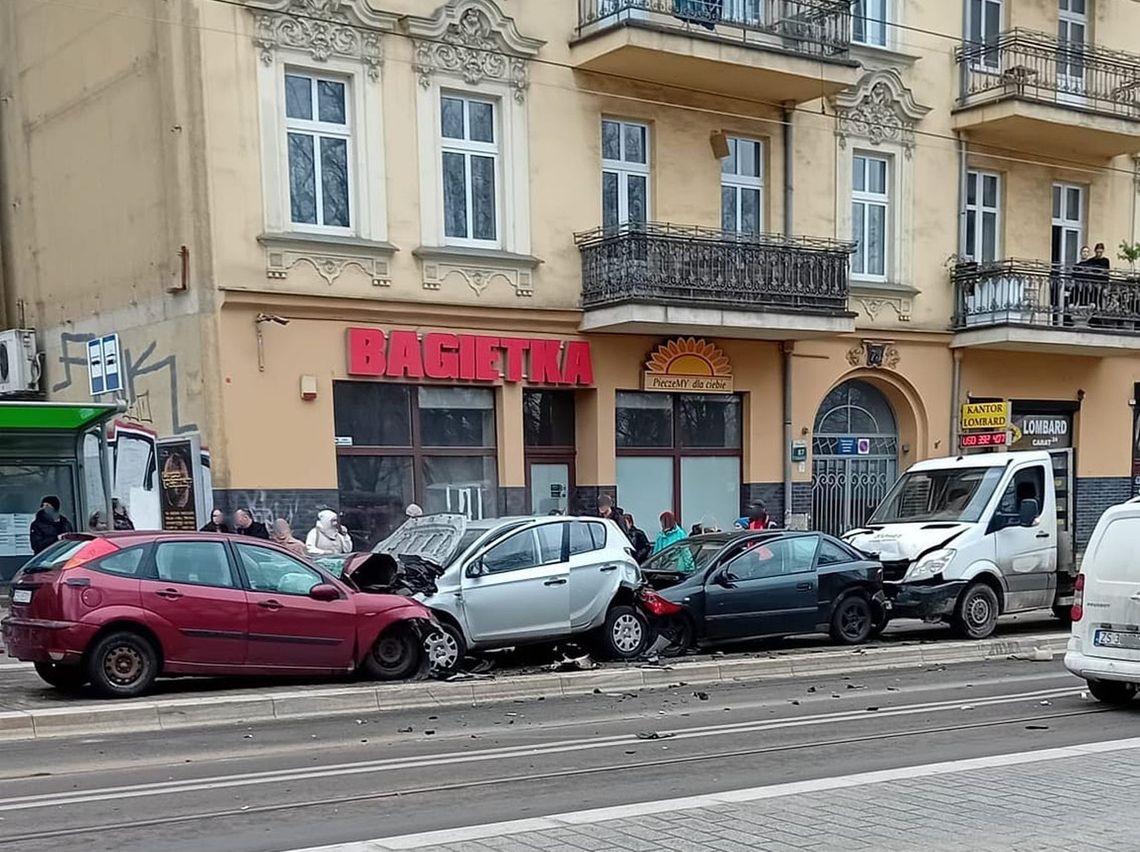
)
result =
(19, 362)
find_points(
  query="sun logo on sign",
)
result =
(687, 356)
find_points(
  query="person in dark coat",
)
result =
(49, 525)
(639, 540)
(217, 523)
(608, 509)
(120, 520)
(246, 525)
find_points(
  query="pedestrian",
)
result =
(328, 536)
(119, 517)
(740, 524)
(670, 532)
(610, 510)
(217, 523)
(640, 541)
(758, 518)
(48, 525)
(245, 525)
(283, 535)
(413, 511)
(1098, 260)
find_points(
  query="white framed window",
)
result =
(869, 21)
(1072, 33)
(318, 138)
(625, 172)
(746, 12)
(469, 169)
(983, 216)
(870, 216)
(742, 187)
(985, 23)
(1068, 222)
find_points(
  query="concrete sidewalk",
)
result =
(79, 716)
(1071, 798)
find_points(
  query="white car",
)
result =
(516, 581)
(1105, 646)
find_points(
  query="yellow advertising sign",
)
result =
(688, 364)
(985, 416)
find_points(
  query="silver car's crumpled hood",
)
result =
(430, 537)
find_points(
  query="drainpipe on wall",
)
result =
(788, 346)
(786, 350)
(963, 192)
(955, 395)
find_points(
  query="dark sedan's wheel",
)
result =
(1112, 692)
(977, 612)
(122, 665)
(396, 655)
(852, 621)
(65, 678)
(625, 634)
(678, 631)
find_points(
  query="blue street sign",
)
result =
(846, 446)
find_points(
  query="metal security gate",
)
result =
(854, 456)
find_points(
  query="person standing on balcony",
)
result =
(1098, 260)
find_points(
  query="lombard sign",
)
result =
(985, 417)
(1042, 432)
(405, 354)
(688, 365)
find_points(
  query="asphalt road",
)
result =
(20, 689)
(283, 786)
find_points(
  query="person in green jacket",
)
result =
(671, 533)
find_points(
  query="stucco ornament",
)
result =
(881, 109)
(323, 29)
(876, 354)
(474, 40)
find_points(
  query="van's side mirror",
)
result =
(1028, 511)
(475, 569)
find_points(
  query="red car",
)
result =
(118, 610)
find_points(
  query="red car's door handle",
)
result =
(269, 604)
(169, 594)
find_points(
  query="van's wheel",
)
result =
(1112, 691)
(445, 648)
(852, 621)
(396, 655)
(122, 665)
(625, 634)
(976, 615)
(65, 678)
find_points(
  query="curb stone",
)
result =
(142, 715)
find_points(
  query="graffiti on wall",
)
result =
(73, 353)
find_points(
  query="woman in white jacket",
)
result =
(328, 536)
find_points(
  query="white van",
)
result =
(1105, 646)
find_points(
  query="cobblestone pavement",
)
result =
(1071, 803)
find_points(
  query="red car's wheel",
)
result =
(122, 665)
(396, 655)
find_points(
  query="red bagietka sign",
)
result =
(404, 354)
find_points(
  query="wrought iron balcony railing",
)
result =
(819, 28)
(1046, 295)
(1027, 65)
(659, 263)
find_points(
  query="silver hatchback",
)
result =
(514, 581)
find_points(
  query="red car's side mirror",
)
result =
(324, 592)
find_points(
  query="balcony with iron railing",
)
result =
(1036, 306)
(1061, 97)
(664, 278)
(783, 50)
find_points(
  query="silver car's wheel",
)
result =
(445, 648)
(627, 633)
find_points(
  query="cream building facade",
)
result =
(501, 256)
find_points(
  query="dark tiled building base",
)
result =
(585, 500)
(771, 494)
(513, 500)
(1094, 495)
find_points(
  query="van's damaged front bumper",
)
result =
(928, 601)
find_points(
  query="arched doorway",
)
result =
(855, 446)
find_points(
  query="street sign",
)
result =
(799, 451)
(977, 440)
(103, 365)
(985, 417)
(846, 447)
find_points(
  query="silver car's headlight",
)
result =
(930, 565)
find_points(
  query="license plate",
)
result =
(1116, 639)
(22, 596)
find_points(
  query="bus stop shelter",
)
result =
(50, 448)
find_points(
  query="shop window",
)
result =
(399, 444)
(681, 453)
(548, 418)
